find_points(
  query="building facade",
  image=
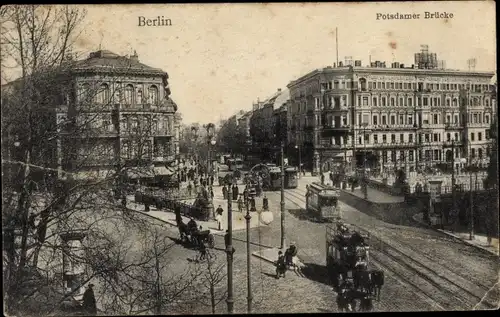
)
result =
(268, 124)
(127, 114)
(385, 118)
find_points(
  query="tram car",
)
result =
(291, 177)
(272, 179)
(347, 261)
(322, 201)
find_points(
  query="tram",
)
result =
(322, 201)
(272, 180)
(291, 178)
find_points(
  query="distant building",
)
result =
(384, 118)
(267, 124)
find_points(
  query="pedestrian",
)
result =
(240, 204)
(218, 216)
(224, 191)
(89, 303)
(245, 194)
(322, 178)
(211, 192)
(265, 203)
(280, 265)
(190, 189)
(212, 180)
(235, 192)
(203, 252)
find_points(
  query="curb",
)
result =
(453, 236)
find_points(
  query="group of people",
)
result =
(285, 261)
(234, 192)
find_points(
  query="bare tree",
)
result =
(210, 287)
(42, 112)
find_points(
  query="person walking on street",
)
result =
(224, 191)
(240, 204)
(322, 178)
(235, 192)
(265, 203)
(89, 303)
(218, 216)
(190, 189)
(212, 180)
(211, 192)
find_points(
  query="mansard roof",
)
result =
(107, 61)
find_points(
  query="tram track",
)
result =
(469, 280)
(441, 286)
(447, 293)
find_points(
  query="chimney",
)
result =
(340, 64)
(134, 57)
(279, 89)
(334, 65)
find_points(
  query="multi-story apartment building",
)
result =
(244, 125)
(127, 113)
(383, 118)
(266, 124)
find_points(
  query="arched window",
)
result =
(84, 92)
(139, 96)
(454, 102)
(103, 94)
(153, 95)
(129, 94)
(362, 83)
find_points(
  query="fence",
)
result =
(172, 202)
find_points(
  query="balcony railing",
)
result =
(387, 127)
(335, 127)
(449, 126)
(390, 145)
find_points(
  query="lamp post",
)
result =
(300, 159)
(249, 272)
(365, 188)
(282, 202)
(194, 137)
(210, 141)
(229, 251)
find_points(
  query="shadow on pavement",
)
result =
(269, 275)
(301, 214)
(315, 272)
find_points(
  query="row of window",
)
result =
(128, 95)
(422, 86)
(131, 149)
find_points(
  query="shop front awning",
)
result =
(140, 173)
(163, 171)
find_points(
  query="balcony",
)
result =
(336, 109)
(386, 127)
(452, 126)
(395, 145)
(331, 127)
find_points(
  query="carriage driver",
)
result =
(192, 226)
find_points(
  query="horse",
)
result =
(377, 281)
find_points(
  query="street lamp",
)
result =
(300, 160)
(229, 250)
(249, 283)
(194, 137)
(210, 141)
(365, 188)
(282, 202)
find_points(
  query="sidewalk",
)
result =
(480, 241)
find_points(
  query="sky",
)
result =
(222, 57)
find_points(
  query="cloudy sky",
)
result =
(222, 57)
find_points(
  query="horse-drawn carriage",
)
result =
(348, 267)
(192, 235)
